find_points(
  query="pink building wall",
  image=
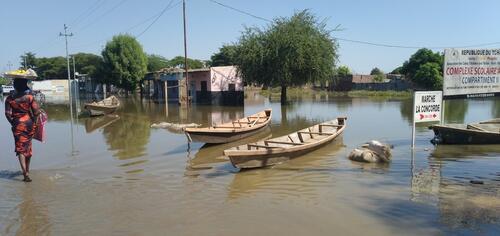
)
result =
(196, 77)
(222, 76)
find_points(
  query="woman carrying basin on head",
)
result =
(21, 110)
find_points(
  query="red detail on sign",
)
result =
(434, 115)
(421, 116)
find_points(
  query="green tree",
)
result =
(290, 52)
(379, 75)
(4, 81)
(225, 56)
(426, 57)
(376, 71)
(28, 60)
(397, 71)
(52, 68)
(343, 71)
(90, 64)
(124, 61)
(429, 75)
(156, 62)
(178, 62)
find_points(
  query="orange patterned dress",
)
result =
(19, 109)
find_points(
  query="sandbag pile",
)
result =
(372, 152)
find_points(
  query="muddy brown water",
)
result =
(117, 176)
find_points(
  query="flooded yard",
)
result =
(117, 176)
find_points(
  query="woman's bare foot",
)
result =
(27, 178)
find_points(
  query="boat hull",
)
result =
(99, 111)
(452, 135)
(104, 107)
(231, 131)
(277, 150)
(258, 161)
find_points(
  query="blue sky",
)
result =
(34, 25)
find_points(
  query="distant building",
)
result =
(367, 82)
(215, 85)
(55, 91)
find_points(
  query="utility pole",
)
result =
(185, 53)
(9, 64)
(74, 67)
(66, 35)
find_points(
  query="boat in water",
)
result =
(276, 150)
(484, 132)
(103, 107)
(230, 131)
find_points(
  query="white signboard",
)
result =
(472, 72)
(427, 106)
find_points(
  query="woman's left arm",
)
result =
(35, 108)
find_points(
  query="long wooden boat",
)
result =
(280, 149)
(230, 131)
(106, 106)
(485, 132)
(94, 123)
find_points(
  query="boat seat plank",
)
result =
(320, 133)
(260, 117)
(493, 121)
(282, 142)
(227, 127)
(301, 139)
(239, 122)
(475, 127)
(330, 125)
(255, 121)
(261, 146)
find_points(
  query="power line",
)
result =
(413, 47)
(241, 11)
(50, 42)
(85, 14)
(155, 16)
(158, 17)
(363, 42)
(102, 15)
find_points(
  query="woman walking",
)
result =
(21, 111)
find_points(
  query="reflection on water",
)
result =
(309, 173)
(130, 179)
(209, 154)
(455, 110)
(495, 108)
(94, 123)
(128, 136)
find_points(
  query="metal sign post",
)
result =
(427, 107)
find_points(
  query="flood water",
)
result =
(117, 176)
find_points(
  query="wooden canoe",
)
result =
(106, 106)
(276, 150)
(230, 131)
(485, 132)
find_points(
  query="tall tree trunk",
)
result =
(283, 94)
(284, 118)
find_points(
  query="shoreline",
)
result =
(292, 92)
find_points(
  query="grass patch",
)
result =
(390, 93)
(296, 92)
